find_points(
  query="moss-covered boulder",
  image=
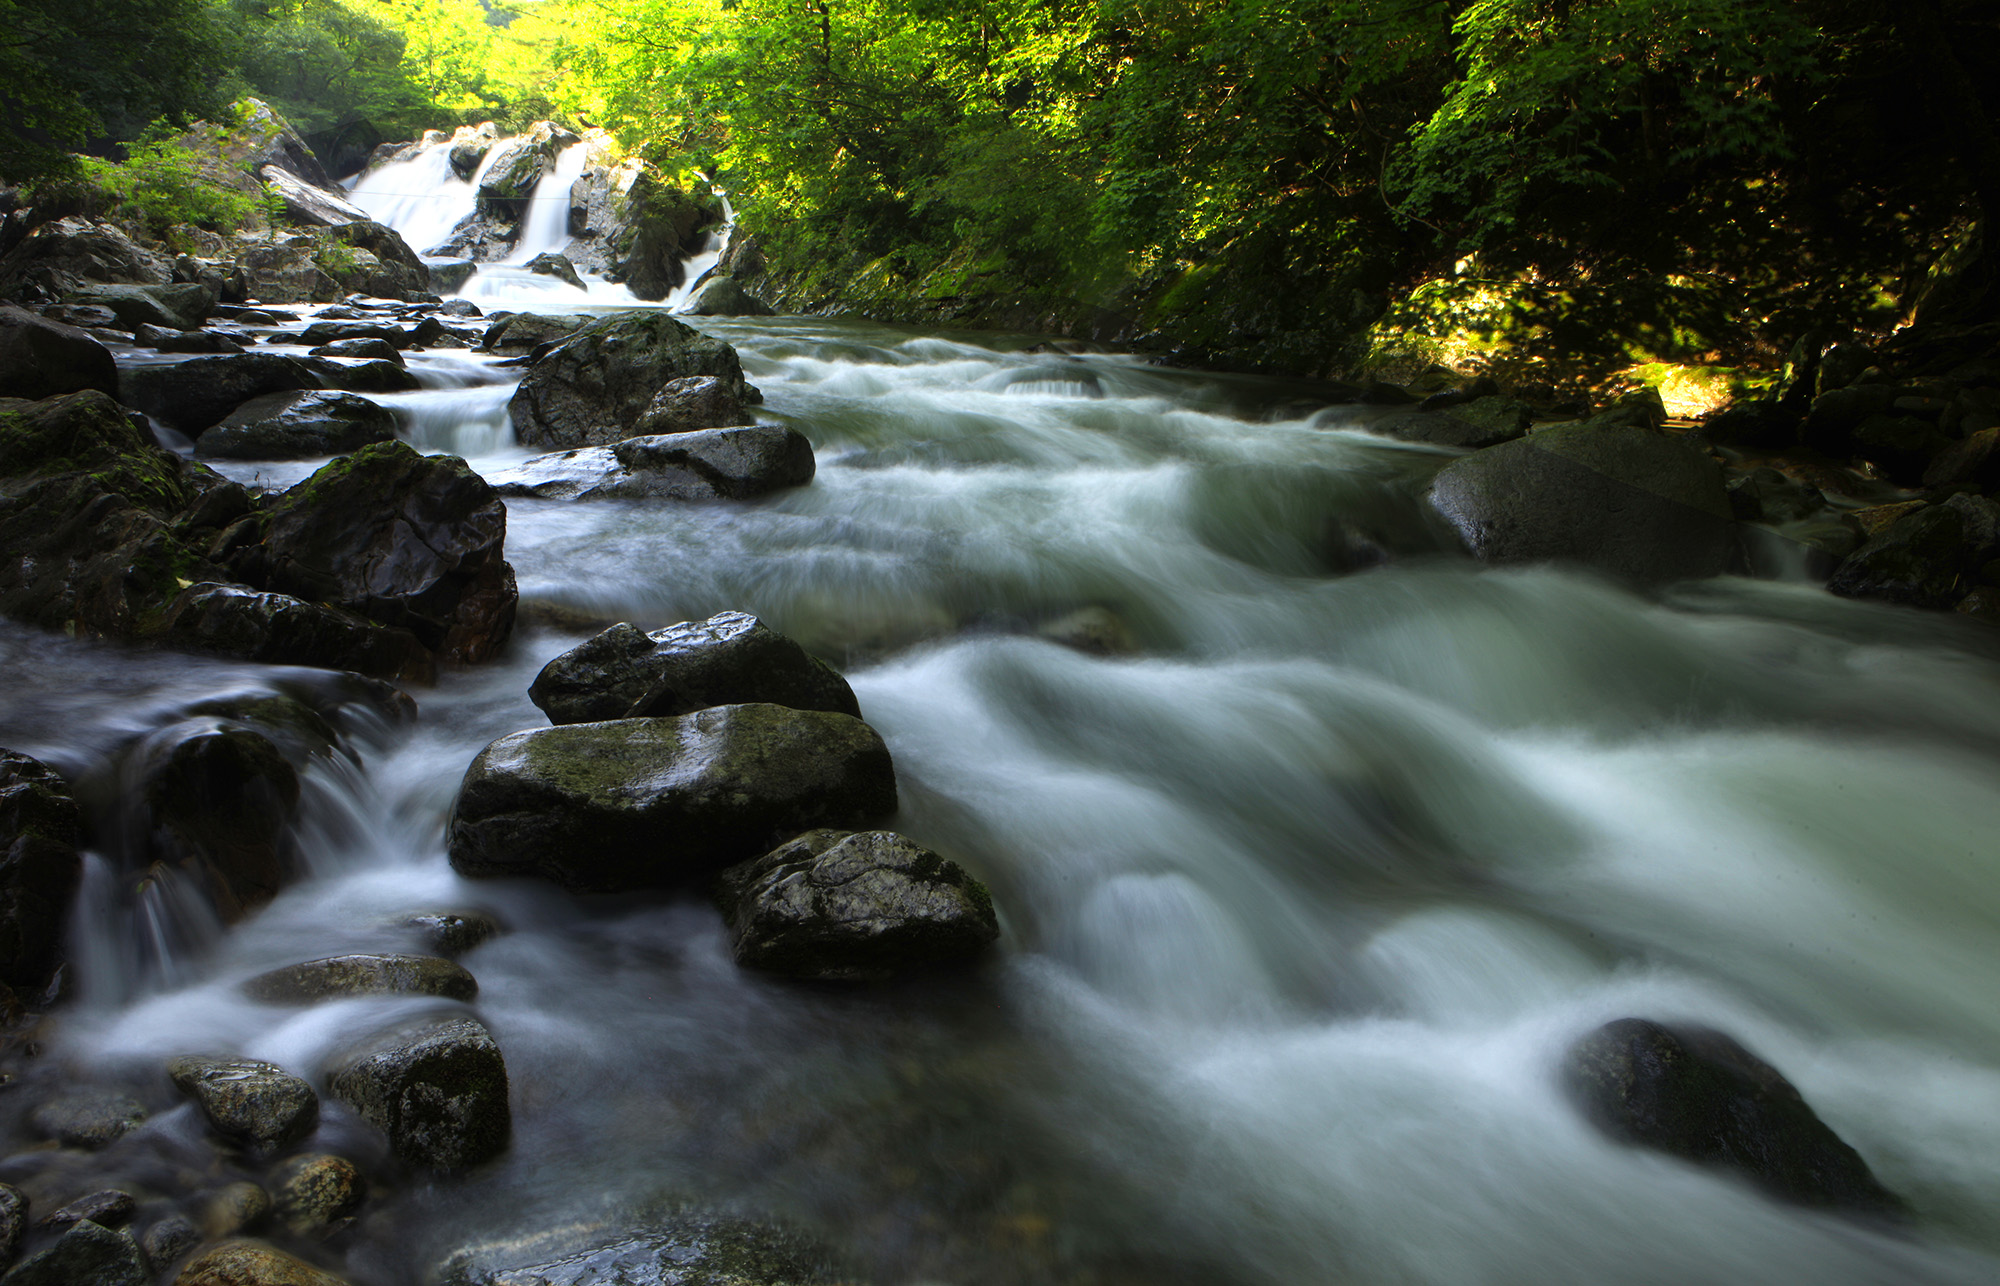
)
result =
(631, 225)
(316, 1191)
(40, 358)
(591, 389)
(838, 906)
(438, 1090)
(39, 869)
(337, 977)
(1697, 1094)
(660, 803)
(412, 541)
(732, 658)
(256, 1104)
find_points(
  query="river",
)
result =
(1306, 880)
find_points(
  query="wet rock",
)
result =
(1442, 428)
(691, 1248)
(86, 1255)
(41, 358)
(711, 464)
(519, 332)
(1094, 629)
(169, 1239)
(594, 386)
(1632, 502)
(184, 341)
(1695, 1093)
(554, 265)
(838, 906)
(317, 1191)
(333, 332)
(652, 803)
(372, 259)
(1830, 423)
(108, 1208)
(453, 933)
(284, 270)
(89, 1118)
(1927, 558)
(362, 347)
(174, 305)
(85, 317)
(252, 1263)
(448, 275)
(412, 541)
(470, 146)
(362, 975)
(1900, 445)
(633, 226)
(458, 307)
(1975, 460)
(64, 254)
(695, 402)
(282, 630)
(1766, 495)
(192, 395)
(13, 1222)
(297, 426)
(731, 658)
(725, 297)
(373, 375)
(235, 1208)
(257, 1104)
(439, 1091)
(518, 169)
(39, 869)
(219, 800)
(1761, 424)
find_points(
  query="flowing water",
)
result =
(1306, 879)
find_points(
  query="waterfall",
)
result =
(422, 198)
(700, 264)
(546, 229)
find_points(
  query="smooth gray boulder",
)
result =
(257, 1104)
(362, 975)
(306, 203)
(835, 906)
(711, 464)
(662, 803)
(1632, 502)
(41, 358)
(593, 387)
(1697, 1094)
(732, 658)
(174, 305)
(300, 425)
(437, 1089)
(89, 1118)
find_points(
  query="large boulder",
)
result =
(438, 1090)
(1932, 557)
(722, 296)
(731, 658)
(260, 138)
(252, 1263)
(469, 146)
(217, 798)
(834, 906)
(1695, 1093)
(630, 225)
(519, 332)
(65, 254)
(281, 630)
(299, 425)
(192, 395)
(39, 869)
(256, 1104)
(689, 404)
(653, 803)
(308, 204)
(284, 270)
(714, 464)
(591, 389)
(40, 358)
(1630, 501)
(371, 258)
(180, 305)
(518, 168)
(87, 1255)
(408, 540)
(362, 975)
(361, 375)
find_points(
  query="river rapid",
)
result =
(1306, 879)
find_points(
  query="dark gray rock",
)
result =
(731, 658)
(657, 803)
(453, 933)
(448, 275)
(594, 386)
(362, 975)
(321, 333)
(409, 540)
(630, 225)
(39, 869)
(723, 296)
(192, 395)
(1442, 428)
(168, 1240)
(41, 358)
(259, 1105)
(163, 340)
(13, 1221)
(1635, 503)
(372, 375)
(711, 464)
(839, 906)
(64, 254)
(300, 425)
(217, 799)
(362, 347)
(89, 1118)
(107, 1208)
(1695, 1093)
(307, 203)
(690, 1248)
(87, 1255)
(174, 305)
(519, 332)
(1929, 558)
(439, 1091)
(692, 403)
(282, 630)
(554, 265)
(252, 1263)
(317, 1191)
(519, 168)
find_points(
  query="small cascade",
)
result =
(546, 229)
(702, 263)
(422, 198)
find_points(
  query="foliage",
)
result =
(165, 184)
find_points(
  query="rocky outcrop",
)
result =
(519, 168)
(592, 388)
(438, 1090)
(629, 225)
(258, 1105)
(1635, 503)
(307, 204)
(715, 464)
(191, 396)
(327, 264)
(362, 975)
(722, 296)
(1695, 1093)
(1934, 557)
(834, 906)
(469, 146)
(412, 541)
(659, 803)
(40, 358)
(298, 425)
(39, 869)
(63, 255)
(731, 658)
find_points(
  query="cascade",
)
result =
(545, 230)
